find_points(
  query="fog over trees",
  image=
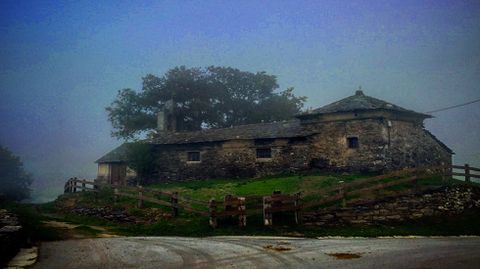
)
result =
(14, 180)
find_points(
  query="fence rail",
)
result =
(467, 172)
(268, 205)
(74, 184)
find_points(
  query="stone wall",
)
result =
(382, 146)
(411, 146)
(233, 159)
(11, 237)
(449, 201)
(330, 145)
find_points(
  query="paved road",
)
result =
(260, 252)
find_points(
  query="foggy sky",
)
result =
(61, 64)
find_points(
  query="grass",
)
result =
(31, 221)
(193, 225)
(87, 230)
(467, 223)
(218, 188)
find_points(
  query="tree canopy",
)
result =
(141, 159)
(14, 181)
(212, 97)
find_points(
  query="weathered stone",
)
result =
(446, 201)
(373, 138)
(417, 215)
(358, 221)
(326, 217)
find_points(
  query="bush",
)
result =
(14, 181)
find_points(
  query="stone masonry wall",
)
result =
(330, 145)
(381, 147)
(11, 237)
(233, 159)
(448, 201)
(412, 146)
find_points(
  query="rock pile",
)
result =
(446, 201)
(107, 213)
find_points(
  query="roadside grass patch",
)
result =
(31, 220)
(87, 230)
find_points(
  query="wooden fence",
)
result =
(467, 172)
(163, 198)
(240, 206)
(74, 185)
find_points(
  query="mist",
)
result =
(61, 64)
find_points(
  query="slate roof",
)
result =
(116, 155)
(250, 131)
(359, 102)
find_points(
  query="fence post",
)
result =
(174, 201)
(415, 184)
(74, 184)
(443, 170)
(227, 205)
(242, 217)
(343, 194)
(467, 172)
(212, 208)
(95, 190)
(115, 195)
(83, 184)
(298, 208)
(66, 186)
(140, 197)
(267, 215)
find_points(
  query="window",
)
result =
(193, 156)
(264, 153)
(352, 142)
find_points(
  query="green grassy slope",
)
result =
(188, 224)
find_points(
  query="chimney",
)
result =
(161, 121)
(166, 118)
(359, 91)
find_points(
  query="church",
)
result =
(356, 134)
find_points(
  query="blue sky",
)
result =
(62, 63)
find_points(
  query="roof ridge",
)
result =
(238, 126)
(359, 101)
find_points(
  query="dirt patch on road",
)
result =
(75, 231)
(345, 256)
(277, 248)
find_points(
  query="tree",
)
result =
(212, 97)
(14, 181)
(141, 159)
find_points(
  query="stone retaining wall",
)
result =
(11, 237)
(449, 201)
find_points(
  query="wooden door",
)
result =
(118, 174)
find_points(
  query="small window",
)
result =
(193, 156)
(264, 153)
(352, 142)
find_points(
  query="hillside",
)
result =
(123, 217)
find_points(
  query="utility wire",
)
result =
(455, 106)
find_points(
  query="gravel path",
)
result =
(260, 252)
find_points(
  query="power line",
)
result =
(455, 106)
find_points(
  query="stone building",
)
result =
(357, 133)
(113, 168)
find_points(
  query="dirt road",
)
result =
(260, 252)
